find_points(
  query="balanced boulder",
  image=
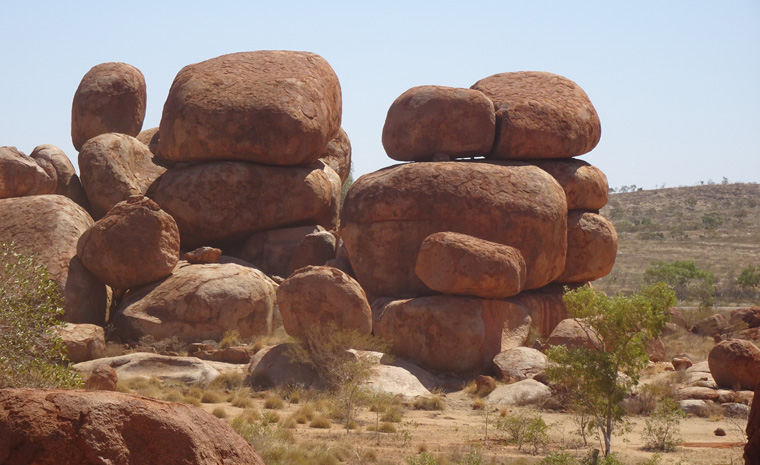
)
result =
(271, 107)
(429, 120)
(50, 226)
(585, 185)
(735, 364)
(199, 302)
(110, 98)
(454, 263)
(337, 155)
(58, 166)
(136, 243)
(319, 296)
(115, 167)
(591, 247)
(214, 203)
(21, 176)
(65, 427)
(388, 214)
(540, 115)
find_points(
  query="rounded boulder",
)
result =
(453, 263)
(585, 185)
(337, 155)
(591, 247)
(428, 120)
(540, 115)
(735, 364)
(110, 98)
(21, 176)
(136, 243)
(318, 296)
(272, 107)
(58, 166)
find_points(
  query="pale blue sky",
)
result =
(676, 83)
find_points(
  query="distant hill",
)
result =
(717, 226)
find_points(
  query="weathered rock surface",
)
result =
(711, 325)
(110, 98)
(520, 363)
(271, 107)
(49, 226)
(199, 302)
(150, 138)
(238, 355)
(396, 381)
(102, 378)
(388, 214)
(337, 155)
(694, 407)
(540, 115)
(454, 263)
(545, 306)
(591, 247)
(318, 296)
(46, 426)
(570, 333)
(58, 166)
(750, 316)
(525, 392)
(735, 364)
(203, 255)
(83, 342)
(585, 185)
(190, 370)
(447, 333)
(681, 363)
(273, 366)
(220, 202)
(697, 393)
(136, 243)
(273, 251)
(115, 167)
(314, 249)
(21, 175)
(429, 120)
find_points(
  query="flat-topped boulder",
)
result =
(540, 115)
(110, 98)
(272, 107)
(389, 213)
(428, 120)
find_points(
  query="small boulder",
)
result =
(315, 249)
(134, 244)
(520, 363)
(697, 393)
(591, 247)
(58, 166)
(316, 296)
(750, 316)
(273, 251)
(540, 115)
(681, 363)
(459, 264)
(484, 385)
(571, 333)
(711, 325)
(693, 407)
(110, 98)
(189, 370)
(21, 176)
(102, 378)
(115, 167)
(337, 155)
(83, 342)
(273, 366)
(525, 392)
(429, 120)
(585, 185)
(735, 410)
(203, 255)
(735, 364)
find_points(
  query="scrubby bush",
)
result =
(31, 350)
(662, 427)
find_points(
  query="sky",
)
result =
(676, 83)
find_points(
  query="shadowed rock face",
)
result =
(89, 427)
(271, 107)
(110, 98)
(50, 226)
(388, 214)
(540, 115)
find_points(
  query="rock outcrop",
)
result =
(21, 175)
(58, 166)
(735, 364)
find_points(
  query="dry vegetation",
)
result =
(717, 226)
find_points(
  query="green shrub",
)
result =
(561, 457)
(749, 277)
(31, 350)
(662, 427)
(712, 220)
(425, 458)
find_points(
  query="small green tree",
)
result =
(662, 426)
(686, 279)
(749, 277)
(598, 379)
(31, 350)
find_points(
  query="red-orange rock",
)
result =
(49, 226)
(540, 115)
(585, 185)
(214, 203)
(337, 155)
(83, 342)
(58, 166)
(388, 214)
(115, 167)
(110, 98)
(454, 263)
(21, 176)
(150, 138)
(199, 302)
(70, 427)
(102, 378)
(749, 315)
(315, 249)
(203, 255)
(317, 296)
(735, 364)
(271, 107)
(449, 333)
(591, 247)
(681, 363)
(429, 120)
(545, 307)
(136, 243)
(273, 251)
(571, 334)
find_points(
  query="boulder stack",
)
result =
(480, 232)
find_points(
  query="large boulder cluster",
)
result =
(466, 253)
